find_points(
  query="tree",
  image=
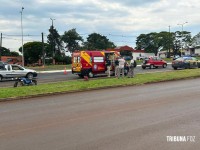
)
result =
(195, 41)
(154, 42)
(33, 51)
(181, 40)
(7, 52)
(97, 41)
(71, 38)
(54, 39)
(151, 42)
(14, 54)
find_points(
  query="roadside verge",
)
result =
(82, 85)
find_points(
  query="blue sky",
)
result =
(121, 21)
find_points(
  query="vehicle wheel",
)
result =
(1, 78)
(80, 75)
(34, 82)
(164, 65)
(151, 66)
(29, 76)
(18, 83)
(143, 67)
(175, 68)
(90, 75)
(15, 84)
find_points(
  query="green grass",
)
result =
(76, 85)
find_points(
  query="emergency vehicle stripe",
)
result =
(86, 57)
(103, 53)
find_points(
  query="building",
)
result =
(129, 51)
(12, 59)
(193, 51)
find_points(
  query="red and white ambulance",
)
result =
(92, 63)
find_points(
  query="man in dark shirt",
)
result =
(116, 66)
(108, 65)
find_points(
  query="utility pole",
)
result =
(169, 53)
(22, 38)
(0, 46)
(43, 54)
(52, 21)
(181, 24)
(53, 42)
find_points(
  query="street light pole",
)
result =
(0, 46)
(182, 24)
(169, 40)
(53, 45)
(22, 38)
(52, 21)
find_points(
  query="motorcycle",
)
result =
(22, 81)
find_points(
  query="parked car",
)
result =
(185, 63)
(154, 62)
(13, 71)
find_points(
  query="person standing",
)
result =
(108, 64)
(116, 67)
(131, 68)
(121, 67)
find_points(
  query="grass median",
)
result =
(77, 85)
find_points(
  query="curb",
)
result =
(53, 71)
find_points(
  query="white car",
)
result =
(13, 71)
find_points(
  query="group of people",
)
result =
(122, 67)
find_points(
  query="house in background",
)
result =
(197, 51)
(129, 51)
(12, 59)
(193, 51)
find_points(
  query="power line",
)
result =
(122, 35)
(14, 39)
(19, 35)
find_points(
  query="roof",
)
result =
(125, 48)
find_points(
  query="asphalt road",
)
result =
(142, 117)
(60, 76)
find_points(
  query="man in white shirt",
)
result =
(131, 68)
(121, 67)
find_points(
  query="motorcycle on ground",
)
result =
(22, 81)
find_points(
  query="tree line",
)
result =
(57, 44)
(172, 42)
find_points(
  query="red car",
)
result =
(154, 62)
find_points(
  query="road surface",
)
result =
(146, 117)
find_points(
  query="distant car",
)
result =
(141, 58)
(185, 63)
(175, 57)
(127, 58)
(154, 62)
(2, 65)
